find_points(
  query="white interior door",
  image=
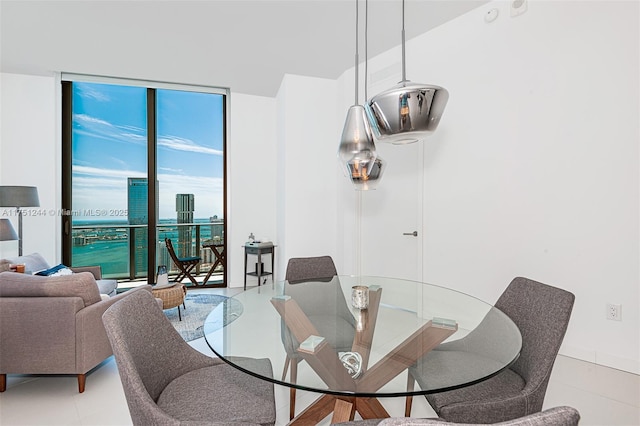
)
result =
(391, 212)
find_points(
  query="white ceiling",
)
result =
(245, 45)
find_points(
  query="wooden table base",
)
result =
(324, 360)
(343, 409)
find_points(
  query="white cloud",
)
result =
(181, 144)
(89, 92)
(101, 129)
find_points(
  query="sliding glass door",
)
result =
(141, 164)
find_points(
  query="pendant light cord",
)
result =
(404, 65)
(366, 46)
(356, 67)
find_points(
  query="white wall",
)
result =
(251, 175)
(30, 156)
(534, 169)
(307, 144)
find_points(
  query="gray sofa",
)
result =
(53, 325)
(35, 262)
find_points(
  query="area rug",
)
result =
(198, 307)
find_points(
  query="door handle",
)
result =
(414, 233)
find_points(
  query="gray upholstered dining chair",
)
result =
(327, 311)
(556, 416)
(167, 382)
(542, 313)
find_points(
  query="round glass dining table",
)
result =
(357, 338)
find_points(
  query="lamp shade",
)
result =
(365, 174)
(19, 196)
(357, 152)
(407, 112)
(357, 140)
(7, 233)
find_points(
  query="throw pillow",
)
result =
(4, 265)
(56, 271)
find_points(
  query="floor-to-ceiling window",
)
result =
(141, 163)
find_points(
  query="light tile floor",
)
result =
(604, 396)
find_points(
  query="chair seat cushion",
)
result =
(444, 368)
(189, 259)
(221, 393)
(506, 385)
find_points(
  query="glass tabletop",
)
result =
(449, 338)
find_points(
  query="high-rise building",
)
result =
(217, 228)
(185, 206)
(137, 204)
(137, 200)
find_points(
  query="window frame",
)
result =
(67, 80)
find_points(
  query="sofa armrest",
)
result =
(38, 334)
(92, 344)
(95, 270)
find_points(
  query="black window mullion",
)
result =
(67, 158)
(152, 179)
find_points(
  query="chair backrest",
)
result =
(304, 275)
(149, 352)
(300, 269)
(171, 251)
(542, 314)
(556, 416)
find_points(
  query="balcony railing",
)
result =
(121, 249)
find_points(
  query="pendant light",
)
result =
(357, 151)
(407, 112)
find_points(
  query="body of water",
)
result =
(107, 244)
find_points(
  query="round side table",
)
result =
(171, 297)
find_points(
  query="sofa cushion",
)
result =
(32, 262)
(107, 287)
(4, 265)
(81, 285)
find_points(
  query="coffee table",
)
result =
(404, 321)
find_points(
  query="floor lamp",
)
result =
(18, 197)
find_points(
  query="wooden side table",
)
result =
(171, 297)
(259, 249)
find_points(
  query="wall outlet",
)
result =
(614, 312)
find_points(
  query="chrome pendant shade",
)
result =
(366, 174)
(357, 139)
(407, 112)
(357, 151)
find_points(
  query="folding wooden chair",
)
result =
(184, 264)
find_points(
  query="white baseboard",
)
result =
(601, 358)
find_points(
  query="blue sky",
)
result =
(110, 145)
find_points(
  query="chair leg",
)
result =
(187, 272)
(286, 367)
(82, 378)
(409, 401)
(292, 391)
(179, 315)
(3, 382)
